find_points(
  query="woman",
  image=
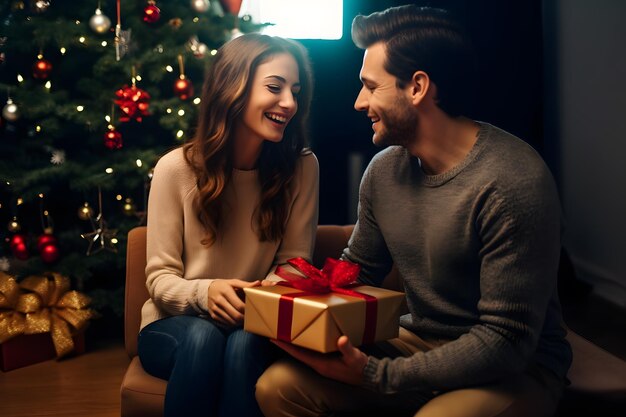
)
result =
(224, 209)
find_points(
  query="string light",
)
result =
(213, 52)
(63, 50)
(48, 85)
(168, 110)
(109, 170)
(196, 100)
(179, 134)
(119, 197)
(20, 79)
(104, 43)
(38, 128)
(139, 163)
(80, 108)
(81, 39)
(181, 112)
(169, 68)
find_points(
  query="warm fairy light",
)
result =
(107, 118)
(138, 77)
(139, 163)
(109, 170)
(213, 52)
(179, 134)
(78, 22)
(45, 212)
(104, 43)
(114, 240)
(63, 50)
(38, 128)
(110, 126)
(181, 112)
(169, 68)
(80, 108)
(20, 78)
(119, 197)
(48, 85)
(196, 100)
(196, 19)
(81, 39)
(40, 195)
(20, 201)
(168, 110)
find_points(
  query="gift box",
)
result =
(314, 309)
(24, 350)
(40, 318)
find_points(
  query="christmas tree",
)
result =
(92, 93)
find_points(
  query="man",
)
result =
(470, 215)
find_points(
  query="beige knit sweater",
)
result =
(180, 269)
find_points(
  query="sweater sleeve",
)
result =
(299, 238)
(520, 235)
(367, 246)
(172, 183)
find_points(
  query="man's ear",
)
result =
(421, 87)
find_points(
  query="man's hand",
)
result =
(347, 368)
(225, 305)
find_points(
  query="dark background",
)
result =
(507, 36)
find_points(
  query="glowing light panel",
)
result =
(298, 19)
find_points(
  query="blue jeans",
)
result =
(211, 371)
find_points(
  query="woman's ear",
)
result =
(421, 87)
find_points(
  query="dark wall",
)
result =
(508, 39)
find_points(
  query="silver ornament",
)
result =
(10, 111)
(99, 22)
(200, 6)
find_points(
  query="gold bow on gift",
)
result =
(48, 305)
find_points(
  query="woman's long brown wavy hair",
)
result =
(210, 152)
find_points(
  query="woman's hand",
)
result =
(225, 303)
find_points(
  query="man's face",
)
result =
(394, 120)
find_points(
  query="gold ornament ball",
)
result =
(99, 22)
(10, 111)
(129, 207)
(200, 6)
(85, 212)
(14, 226)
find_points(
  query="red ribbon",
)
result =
(336, 276)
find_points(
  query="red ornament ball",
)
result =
(16, 240)
(41, 69)
(45, 240)
(151, 13)
(50, 253)
(133, 102)
(113, 139)
(18, 247)
(183, 88)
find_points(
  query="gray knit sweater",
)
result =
(478, 249)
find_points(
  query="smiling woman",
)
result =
(224, 210)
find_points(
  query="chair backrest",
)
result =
(330, 242)
(136, 291)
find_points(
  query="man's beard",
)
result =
(399, 124)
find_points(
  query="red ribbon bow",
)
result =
(335, 276)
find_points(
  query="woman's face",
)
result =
(272, 101)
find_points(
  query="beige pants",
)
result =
(290, 388)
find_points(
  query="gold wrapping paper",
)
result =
(41, 304)
(319, 320)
